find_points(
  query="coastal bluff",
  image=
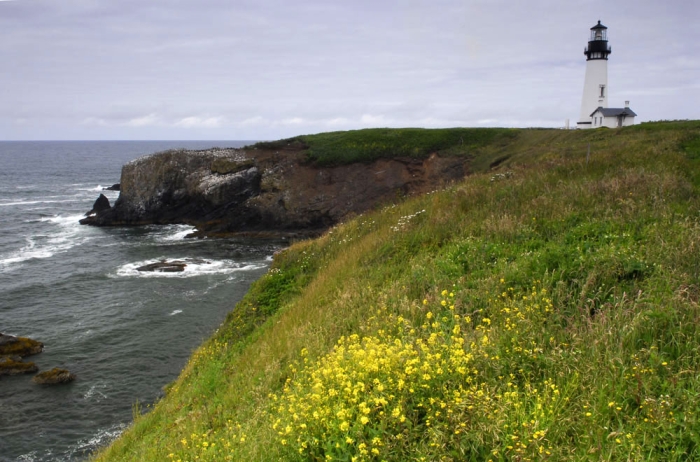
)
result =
(224, 191)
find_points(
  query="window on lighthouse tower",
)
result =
(602, 91)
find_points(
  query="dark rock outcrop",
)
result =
(114, 187)
(13, 365)
(173, 266)
(19, 346)
(100, 205)
(224, 191)
(54, 376)
(163, 267)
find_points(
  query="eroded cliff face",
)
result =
(234, 190)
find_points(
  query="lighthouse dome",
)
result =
(599, 32)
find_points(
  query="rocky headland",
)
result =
(262, 191)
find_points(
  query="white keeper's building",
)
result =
(594, 104)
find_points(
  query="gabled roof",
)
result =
(615, 111)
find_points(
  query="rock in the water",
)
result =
(114, 187)
(19, 346)
(163, 267)
(173, 266)
(54, 376)
(13, 365)
(100, 205)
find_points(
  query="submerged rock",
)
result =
(13, 365)
(54, 376)
(19, 346)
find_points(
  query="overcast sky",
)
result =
(267, 69)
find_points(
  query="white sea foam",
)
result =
(175, 312)
(99, 187)
(99, 439)
(63, 201)
(46, 245)
(195, 267)
(94, 392)
(84, 334)
(69, 221)
(28, 457)
(176, 233)
(28, 252)
(5, 200)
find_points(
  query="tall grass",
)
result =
(547, 310)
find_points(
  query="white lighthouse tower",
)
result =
(595, 87)
(594, 104)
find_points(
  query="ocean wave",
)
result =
(99, 439)
(175, 312)
(99, 187)
(94, 393)
(68, 221)
(194, 267)
(46, 245)
(80, 449)
(30, 456)
(175, 233)
(63, 201)
(28, 252)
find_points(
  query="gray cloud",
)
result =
(215, 69)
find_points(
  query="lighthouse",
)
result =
(594, 103)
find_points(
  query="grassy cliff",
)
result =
(544, 310)
(337, 148)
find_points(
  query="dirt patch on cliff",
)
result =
(296, 194)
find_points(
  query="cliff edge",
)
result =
(223, 191)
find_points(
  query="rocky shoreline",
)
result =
(262, 192)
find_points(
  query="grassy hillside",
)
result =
(337, 148)
(545, 310)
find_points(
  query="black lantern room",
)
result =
(598, 43)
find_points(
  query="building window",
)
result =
(602, 91)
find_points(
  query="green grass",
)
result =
(575, 283)
(337, 148)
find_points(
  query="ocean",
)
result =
(124, 333)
